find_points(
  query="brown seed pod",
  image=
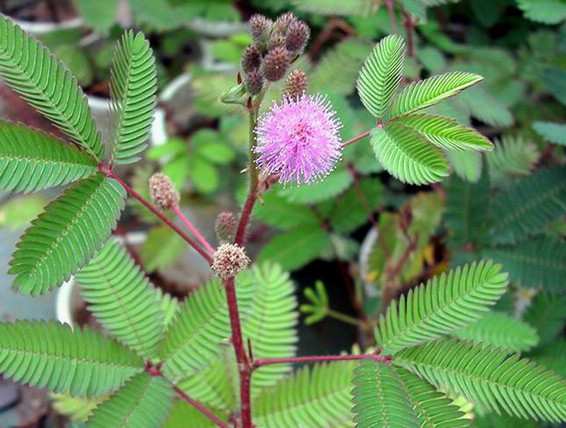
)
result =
(297, 83)
(297, 36)
(162, 191)
(251, 58)
(254, 82)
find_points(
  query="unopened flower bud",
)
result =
(275, 64)
(254, 82)
(260, 27)
(297, 83)
(276, 40)
(251, 58)
(163, 191)
(226, 226)
(283, 22)
(297, 36)
(229, 260)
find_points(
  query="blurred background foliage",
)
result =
(360, 238)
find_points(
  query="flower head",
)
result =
(299, 139)
(229, 260)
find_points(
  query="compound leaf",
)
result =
(133, 85)
(44, 82)
(443, 305)
(32, 160)
(67, 234)
(50, 355)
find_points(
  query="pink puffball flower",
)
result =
(298, 140)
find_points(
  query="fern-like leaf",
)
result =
(336, 7)
(512, 157)
(44, 82)
(491, 377)
(199, 327)
(133, 83)
(499, 329)
(380, 399)
(269, 321)
(381, 74)
(31, 160)
(433, 409)
(446, 133)
(539, 262)
(546, 314)
(551, 132)
(467, 205)
(443, 305)
(52, 356)
(70, 231)
(122, 299)
(144, 402)
(313, 397)
(529, 205)
(407, 156)
(425, 93)
(268, 315)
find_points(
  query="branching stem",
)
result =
(193, 229)
(209, 414)
(356, 138)
(159, 214)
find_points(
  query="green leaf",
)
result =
(381, 74)
(551, 132)
(336, 183)
(335, 7)
(546, 314)
(407, 156)
(77, 409)
(161, 249)
(51, 355)
(446, 133)
(269, 321)
(467, 205)
(194, 336)
(347, 56)
(133, 86)
(352, 209)
(544, 11)
(486, 107)
(210, 146)
(425, 93)
(466, 165)
(317, 396)
(183, 415)
(295, 248)
(380, 399)
(539, 262)
(67, 234)
(491, 377)
(500, 330)
(276, 211)
(32, 160)
(144, 402)
(100, 14)
(443, 305)
(512, 157)
(433, 408)
(317, 307)
(122, 299)
(529, 205)
(204, 175)
(30, 69)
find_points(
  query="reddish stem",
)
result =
(321, 358)
(201, 408)
(194, 230)
(356, 138)
(409, 29)
(246, 216)
(159, 214)
(391, 12)
(244, 367)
